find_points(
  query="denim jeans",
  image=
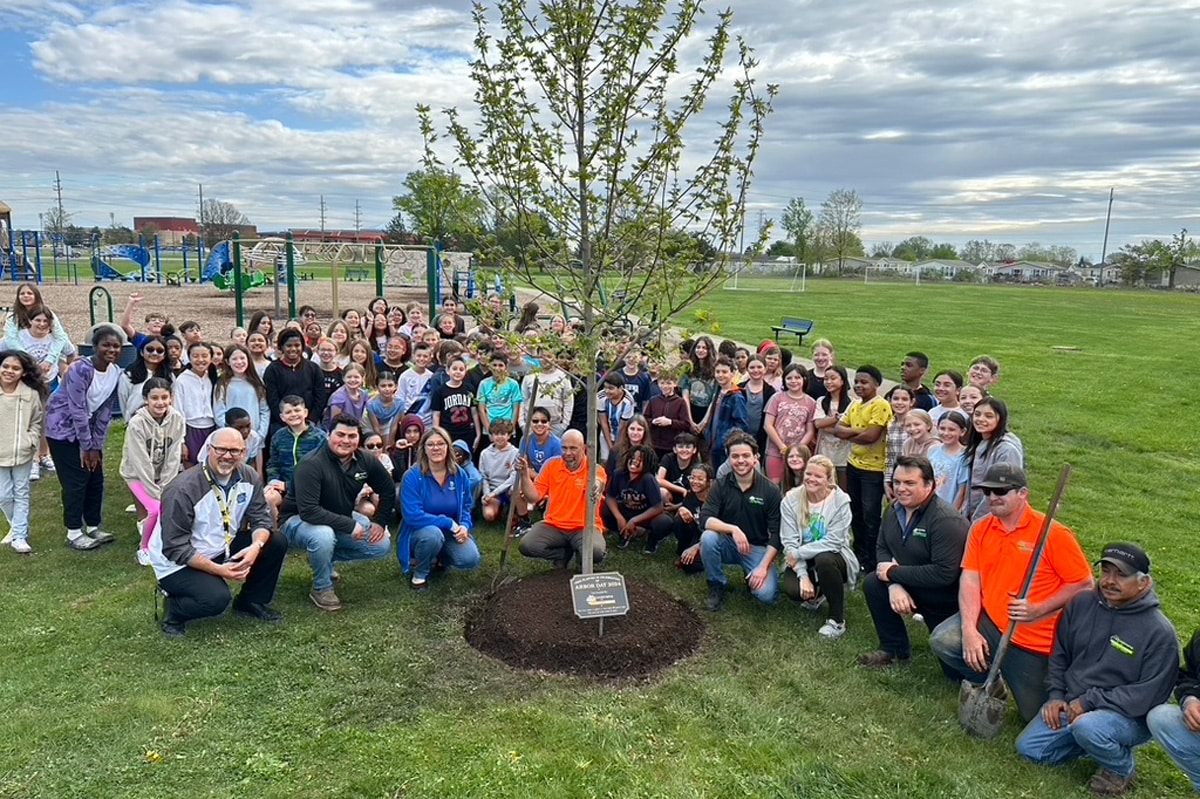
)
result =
(717, 550)
(1105, 736)
(14, 498)
(1168, 728)
(432, 542)
(1024, 671)
(324, 546)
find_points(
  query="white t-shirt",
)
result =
(103, 385)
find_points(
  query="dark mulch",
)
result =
(531, 624)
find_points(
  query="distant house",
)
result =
(1098, 274)
(945, 267)
(1186, 276)
(1027, 272)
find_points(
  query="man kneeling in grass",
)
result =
(740, 520)
(1115, 658)
(215, 528)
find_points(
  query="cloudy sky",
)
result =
(951, 119)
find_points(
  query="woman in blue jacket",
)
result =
(436, 500)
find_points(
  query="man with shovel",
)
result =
(1115, 658)
(999, 550)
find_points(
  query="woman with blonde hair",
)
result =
(437, 501)
(815, 532)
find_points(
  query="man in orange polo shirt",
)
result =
(999, 549)
(563, 480)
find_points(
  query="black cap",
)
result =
(1129, 558)
(1003, 475)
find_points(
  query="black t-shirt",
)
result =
(332, 380)
(634, 498)
(674, 474)
(455, 406)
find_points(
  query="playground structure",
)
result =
(239, 265)
(102, 258)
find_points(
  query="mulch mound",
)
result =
(531, 624)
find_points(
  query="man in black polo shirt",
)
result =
(740, 520)
(919, 552)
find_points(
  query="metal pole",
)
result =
(37, 244)
(239, 311)
(158, 258)
(431, 280)
(291, 275)
(1107, 221)
(379, 270)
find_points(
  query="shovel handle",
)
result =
(1063, 478)
(512, 505)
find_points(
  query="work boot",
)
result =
(326, 600)
(716, 597)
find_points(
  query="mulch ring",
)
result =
(531, 624)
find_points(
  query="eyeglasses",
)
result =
(435, 443)
(154, 350)
(996, 492)
(229, 452)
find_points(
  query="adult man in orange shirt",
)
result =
(999, 549)
(563, 480)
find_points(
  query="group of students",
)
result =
(398, 377)
(742, 457)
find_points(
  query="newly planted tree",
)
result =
(594, 142)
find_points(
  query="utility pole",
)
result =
(62, 214)
(322, 216)
(1107, 221)
(200, 216)
(357, 219)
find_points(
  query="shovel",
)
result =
(982, 708)
(503, 577)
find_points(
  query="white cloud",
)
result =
(951, 119)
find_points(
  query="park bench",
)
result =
(797, 327)
(358, 273)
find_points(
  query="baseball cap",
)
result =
(1129, 558)
(1003, 475)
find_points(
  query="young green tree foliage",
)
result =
(593, 121)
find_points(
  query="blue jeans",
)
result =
(1024, 671)
(1168, 728)
(1103, 735)
(14, 498)
(324, 546)
(717, 550)
(432, 542)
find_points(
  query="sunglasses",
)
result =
(154, 350)
(373, 446)
(996, 492)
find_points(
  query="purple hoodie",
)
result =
(67, 416)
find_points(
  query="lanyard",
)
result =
(223, 506)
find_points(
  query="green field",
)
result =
(386, 700)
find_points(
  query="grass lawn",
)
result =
(386, 700)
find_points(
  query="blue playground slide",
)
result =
(129, 252)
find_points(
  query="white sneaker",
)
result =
(143, 557)
(48, 464)
(35, 472)
(832, 630)
(21, 546)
